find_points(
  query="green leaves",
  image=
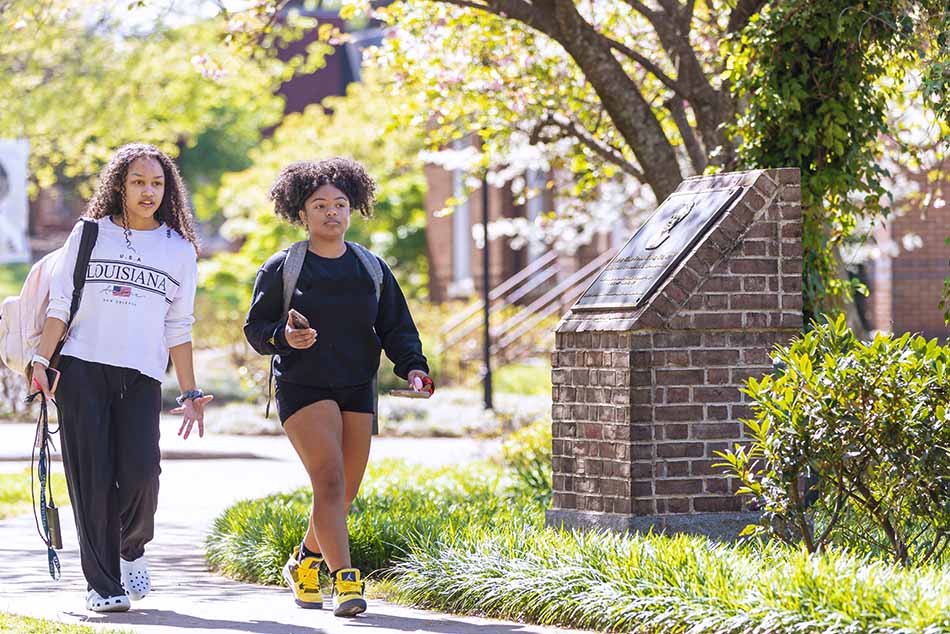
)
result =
(527, 453)
(818, 80)
(855, 426)
(77, 90)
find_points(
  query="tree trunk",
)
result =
(629, 111)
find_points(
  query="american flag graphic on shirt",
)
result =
(121, 291)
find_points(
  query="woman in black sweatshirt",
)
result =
(346, 307)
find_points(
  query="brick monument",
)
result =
(649, 362)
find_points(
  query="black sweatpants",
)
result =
(109, 429)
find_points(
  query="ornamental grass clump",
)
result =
(850, 445)
(654, 583)
(398, 504)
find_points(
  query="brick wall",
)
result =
(644, 399)
(438, 232)
(906, 290)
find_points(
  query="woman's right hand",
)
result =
(40, 380)
(299, 338)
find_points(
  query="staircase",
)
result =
(525, 304)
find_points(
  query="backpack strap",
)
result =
(290, 273)
(49, 514)
(293, 264)
(370, 263)
(90, 233)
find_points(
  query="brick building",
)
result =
(906, 290)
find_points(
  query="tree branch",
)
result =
(688, 12)
(680, 15)
(740, 15)
(530, 14)
(710, 106)
(519, 10)
(573, 129)
(696, 155)
(647, 65)
(619, 95)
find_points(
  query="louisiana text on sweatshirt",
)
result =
(138, 300)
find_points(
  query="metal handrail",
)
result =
(555, 293)
(530, 273)
(538, 280)
(547, 258)
(569, 296)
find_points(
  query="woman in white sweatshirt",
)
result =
(136, 309)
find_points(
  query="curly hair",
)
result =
(109, 197)
(297, 182)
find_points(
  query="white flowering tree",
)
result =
(560, 89)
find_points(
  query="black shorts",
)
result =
(291, 398)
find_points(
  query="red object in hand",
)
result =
(427, 382)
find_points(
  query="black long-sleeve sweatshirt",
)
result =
(337, 296)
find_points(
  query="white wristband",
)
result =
(41, 360)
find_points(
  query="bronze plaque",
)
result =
(656, 249)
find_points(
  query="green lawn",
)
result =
(15, 624)
(15, 492)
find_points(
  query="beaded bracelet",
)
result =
(189, 395)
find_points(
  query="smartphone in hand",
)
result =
(52, 379)
(52, 375)
(297, 321)
(411, 393)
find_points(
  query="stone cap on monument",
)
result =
(671, 255)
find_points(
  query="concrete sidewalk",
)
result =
(185, 596)
(16, 440)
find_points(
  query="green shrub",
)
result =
(399, 504)
(527, 454)
(649, 583)
(464, 540)
(251, 540)
(866, 425)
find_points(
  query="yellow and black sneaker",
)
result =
(348, 593)
(303, 577)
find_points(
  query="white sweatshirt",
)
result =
(137, 302)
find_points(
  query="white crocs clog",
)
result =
(135, 579)
(96, 603)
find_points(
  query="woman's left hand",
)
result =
(193, 411)
(419, 381)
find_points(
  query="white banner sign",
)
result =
(14, 206)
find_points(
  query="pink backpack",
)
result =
(22, 317)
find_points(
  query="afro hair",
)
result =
(297, 182)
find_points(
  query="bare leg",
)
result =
(357, 434)
(316, 432)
